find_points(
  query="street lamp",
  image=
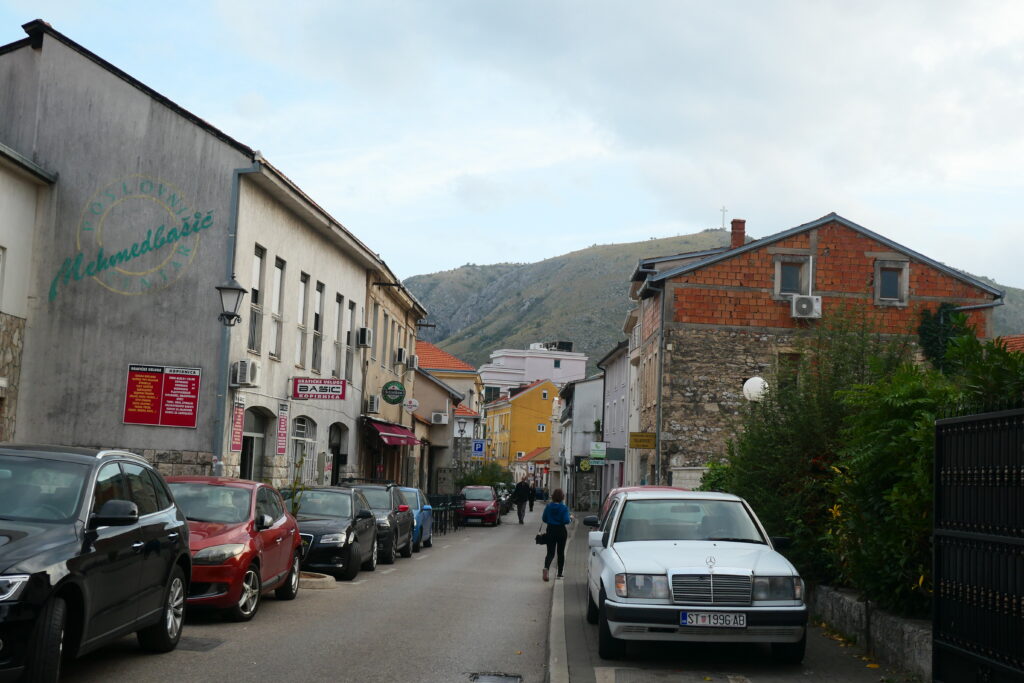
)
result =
(462, 427)
(231, 294)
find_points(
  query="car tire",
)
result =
(390, 552)
(371, 562)
(790, 653)
(416, 545)
(407, 548)
(47, 645)
(290, 588)
(164, 635)
(592, 611)
(249, 601)
(608, 646)
(352, 570)
(429, 540)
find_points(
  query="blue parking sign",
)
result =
(478, 449)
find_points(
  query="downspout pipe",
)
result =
(225, 333)
(661, 386)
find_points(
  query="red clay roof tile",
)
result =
(433, 358)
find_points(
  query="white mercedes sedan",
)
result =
(690, 566)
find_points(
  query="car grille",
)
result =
(711, 589)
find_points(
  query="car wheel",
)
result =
(390, 550)
(47, 644)
(790, 653)
(608, 646)
(290, 588)
(591, 608)
(416, 545)
(429, 541)
(164, 635)
(407, 548)
(249, 600)
(371, 562)
(352, 570)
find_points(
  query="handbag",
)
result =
(541, 538)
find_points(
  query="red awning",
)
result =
(395, 435)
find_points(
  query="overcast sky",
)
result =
(445, 132)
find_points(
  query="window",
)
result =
(349, 340)
(300, 332)
(541, 427)
(318, 327)
(109, 486)
(376, 336)
(256, 300)
(558, 363)
(791, 275)
(142, 492)
(304, 448)
(339, 335)
(891, 286)
(544, 395)
(276, 306)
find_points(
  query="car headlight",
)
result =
(11, 586)
(218, 554)
(333, 539)
(641, 585)
(778, 588)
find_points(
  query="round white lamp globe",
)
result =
(754, 389)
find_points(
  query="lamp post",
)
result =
(231, 295)
(462, 427)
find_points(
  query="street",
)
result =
(472, 605)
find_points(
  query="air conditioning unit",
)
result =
(373, 404)
(806, 307)
(520, 454)
(414, 362)
(245, 373)
(364, 338)
(439, 418)
(401, 356)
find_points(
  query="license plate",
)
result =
(713, 619)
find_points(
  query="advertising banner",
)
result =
(237, 425)
(310, 387)
(282, 429)
(162, 396)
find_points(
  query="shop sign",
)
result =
(584, 465)
(393, 392)
(643, 440)
(282, 429)
(598, 450)
(317, 388)
(237, 424)
(411, 405)
(162, 396)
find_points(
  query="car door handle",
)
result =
(172, 534)
(137, 546)
(278, 540)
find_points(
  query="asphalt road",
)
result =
(473, 604)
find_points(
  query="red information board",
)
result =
(282, 429)
(237, 426)
(162, 396)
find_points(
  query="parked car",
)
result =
(243, 543)
(607, 504)
(422, 518)
(481, 503)
(337, 528)
(394, 519)
(92, 547)
(690, 566)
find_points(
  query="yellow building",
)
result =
(520, 423)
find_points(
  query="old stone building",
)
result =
(707, 321)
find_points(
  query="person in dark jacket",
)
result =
(556, 516)
(533, 495)
(520, 496)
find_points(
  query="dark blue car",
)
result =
(423, 518)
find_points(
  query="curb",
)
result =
(558, 657)
(316, 581)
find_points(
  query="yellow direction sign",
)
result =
(643, 440)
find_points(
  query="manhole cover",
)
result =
(198, 644)
(496, 678)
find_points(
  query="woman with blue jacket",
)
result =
(556, 516)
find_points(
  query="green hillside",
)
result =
(579, 297)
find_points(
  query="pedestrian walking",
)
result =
(556, 516)
(521, 496)
(533, 495)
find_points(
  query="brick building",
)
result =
(707, 321)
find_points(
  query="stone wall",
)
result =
(12, 339)
(170, 463)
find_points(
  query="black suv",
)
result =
(92, 547)
(394, 519)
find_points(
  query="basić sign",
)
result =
(310, 387)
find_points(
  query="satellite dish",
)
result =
(754, 389)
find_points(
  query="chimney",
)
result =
(739, 233)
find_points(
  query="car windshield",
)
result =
(478, 494)
(211, 502)
(686, 520)
(378, 499)
(412, 499)
(40, 489)
(324, 504)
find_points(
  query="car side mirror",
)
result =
(595, 539)
(591, 520)
(115, 513)
(781, 542)
(403, 508)
(364, 514)
(264, 522)
(428, 506)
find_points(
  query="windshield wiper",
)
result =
(735, 540)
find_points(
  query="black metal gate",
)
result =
(978, 623)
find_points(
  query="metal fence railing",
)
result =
(447, 510)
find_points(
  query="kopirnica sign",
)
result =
(317, 388)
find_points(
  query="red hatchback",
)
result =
(243, 543)
(481, 503)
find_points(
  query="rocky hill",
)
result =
(580, 297)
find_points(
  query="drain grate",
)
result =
(495, 678)
(198, 644)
